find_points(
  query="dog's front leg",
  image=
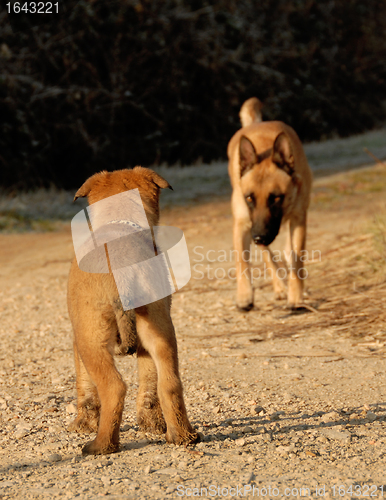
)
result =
(279, 287)
(297, 271)
(242, 246)
(156, 333)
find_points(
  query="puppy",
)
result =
(271, 182)
(102, 329)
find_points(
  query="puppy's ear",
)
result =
(160, 181)
(248, 155)
(154, 177)
(282, 154)
(85, 189)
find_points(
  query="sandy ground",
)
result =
(289, 405)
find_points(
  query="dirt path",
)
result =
(286, 403)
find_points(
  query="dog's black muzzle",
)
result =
(267, 238)
(264, 234)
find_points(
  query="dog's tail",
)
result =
(250, 112)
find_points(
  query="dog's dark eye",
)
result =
(250, 199)
(275, 199)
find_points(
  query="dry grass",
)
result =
(44, 209)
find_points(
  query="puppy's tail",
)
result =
(250, 112)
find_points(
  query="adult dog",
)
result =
(103, 328)
(271, 182)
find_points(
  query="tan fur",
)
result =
(102, 328)
(263, 179)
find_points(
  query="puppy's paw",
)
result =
(182, 436)
(85, 426)
(96, 448)
(151, 420)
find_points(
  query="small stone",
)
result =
(240, 442)
(148, 469)
(259, 410)
(53, 429)
(247, 430)
(169, 471)
(275, 415)
(106, 480)
(216, 409)
(125, 428)
(55, 457)
(283, 450)
(7, 484)
(20, 433)
(56, 380)
(266, 437)
(22, 430)
(71, 409)
(370, 416)
(332, 416)
(344, 436)
(247, 478)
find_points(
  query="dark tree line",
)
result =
(106, 84)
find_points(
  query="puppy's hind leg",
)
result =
(96, 347)
(87, 419)
(149, 413)
(156, 333)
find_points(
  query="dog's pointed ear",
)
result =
(154, 177)
(160, 181)
(248, 155)
(85, 189)
(282, 154)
